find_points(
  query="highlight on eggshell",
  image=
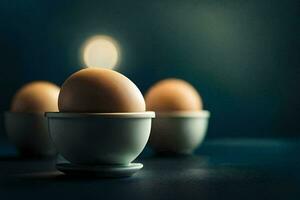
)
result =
(99, 90)
(173, 95)
(36, 97)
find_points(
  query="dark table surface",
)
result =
(220, 169)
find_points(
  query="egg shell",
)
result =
(99, 90)
(173, 95)
(36, 97)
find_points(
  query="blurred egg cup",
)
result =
(178, 132)
(29, 133)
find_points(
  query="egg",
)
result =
(36, 97)
(173, 95)
(99, 90)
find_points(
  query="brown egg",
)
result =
(97, 90)
(173, 95)
(36, 97)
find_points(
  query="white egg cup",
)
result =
(29, 133)
(104, 144)
(178, 132)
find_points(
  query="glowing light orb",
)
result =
(101, 51)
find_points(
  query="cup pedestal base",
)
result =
(99, 171)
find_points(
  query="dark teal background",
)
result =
(241, 55)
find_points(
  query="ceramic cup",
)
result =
(29, 133)
(178, 132)
(100, 138)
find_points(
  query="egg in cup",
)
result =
(180, 124)
(25, 123)
(101, 126)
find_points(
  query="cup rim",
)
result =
(184, 114)
(146, 114)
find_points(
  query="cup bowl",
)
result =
(29, 133)
(100, 138)
(178, 132)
